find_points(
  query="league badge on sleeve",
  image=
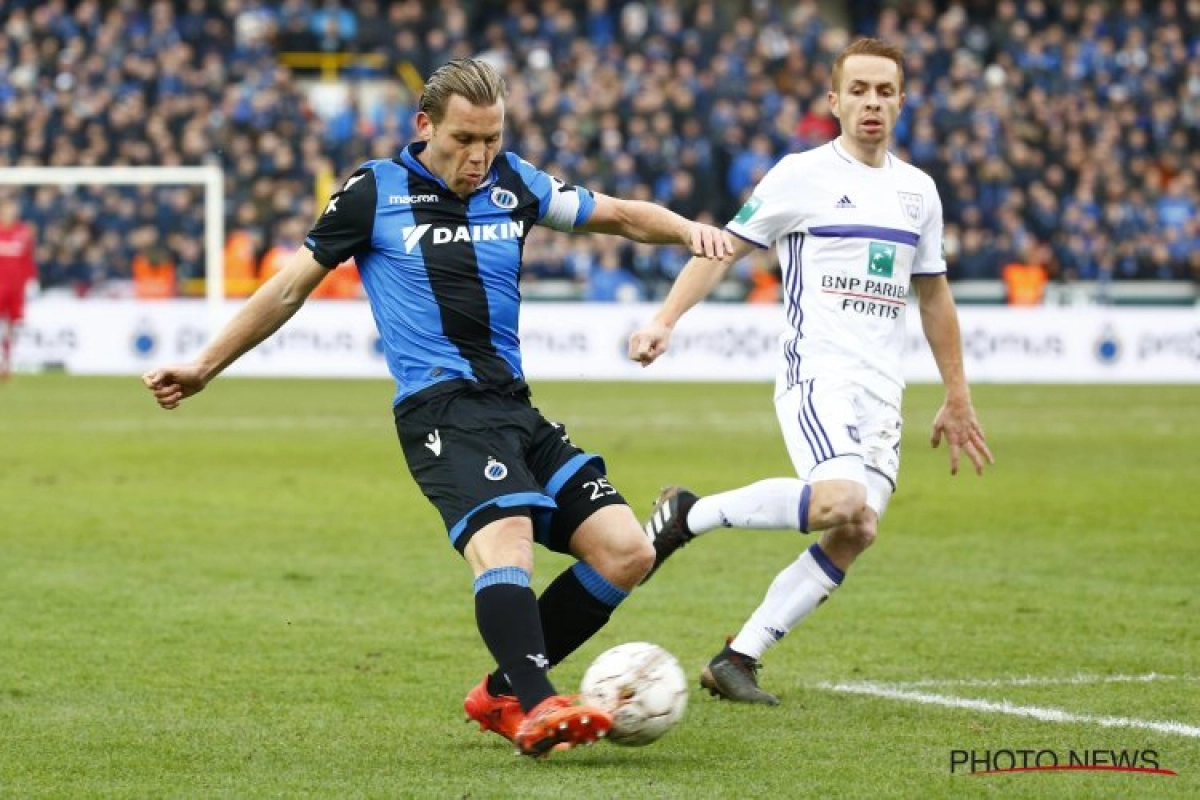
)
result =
(747, 210)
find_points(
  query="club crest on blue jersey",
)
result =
(495, 471)
(503, 198)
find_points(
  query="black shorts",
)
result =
(482, 455)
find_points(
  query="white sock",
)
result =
(794, 594)
(773, 504)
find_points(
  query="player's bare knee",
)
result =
(634, 555)
(855, 536)
(864, 531)
(836, 504)
(506, 542)
(644, 560)
(625, 558)
(612, 542)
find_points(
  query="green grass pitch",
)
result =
(248, 597)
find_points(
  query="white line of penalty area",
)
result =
(1081, 679)
(1004, 707)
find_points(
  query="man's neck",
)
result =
(871, 155)
(421, 156)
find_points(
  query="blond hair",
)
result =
(867, 47)
(474, 80)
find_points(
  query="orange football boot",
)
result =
(560, 723)
(502, 714)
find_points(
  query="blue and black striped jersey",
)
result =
(441, 272)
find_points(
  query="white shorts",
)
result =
(837, 430)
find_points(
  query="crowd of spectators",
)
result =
(1061, 133)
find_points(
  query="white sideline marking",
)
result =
(1005, 707)
(1073, 680)
(183, 424)
(383, 421)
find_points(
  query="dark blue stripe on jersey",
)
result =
(867, 232)
(795, 290)
(403, 302)
(500, 261)
(442, 272)
(454, 276)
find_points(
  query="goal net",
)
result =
(72, 182)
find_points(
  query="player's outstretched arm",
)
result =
(955, 420)
(698, 277)
(646, 222)
(264, 313)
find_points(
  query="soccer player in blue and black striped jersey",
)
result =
(437, 234)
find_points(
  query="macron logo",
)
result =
(412, 236)
(409, 199)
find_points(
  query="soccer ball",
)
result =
(642, 686)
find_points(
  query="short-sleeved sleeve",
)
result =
(766, 215)
(561, 206)
(346, 226)
(931, 258)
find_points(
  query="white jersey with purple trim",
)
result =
(849, 238)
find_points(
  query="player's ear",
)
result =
(424, 126)
(833, 103)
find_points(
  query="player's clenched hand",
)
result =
(957, 422)
(170, 385)
(649, 343)
(709, 242)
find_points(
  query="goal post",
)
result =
(209, 176)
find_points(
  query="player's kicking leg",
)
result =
(593, 523)
(495, 536)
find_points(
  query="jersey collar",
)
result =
(408, 156)
(842, 154)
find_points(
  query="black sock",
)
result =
(507, 615)
(498, 684)
(570, 616)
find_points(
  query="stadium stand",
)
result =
(1064, 132)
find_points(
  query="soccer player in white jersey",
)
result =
(853, 226)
